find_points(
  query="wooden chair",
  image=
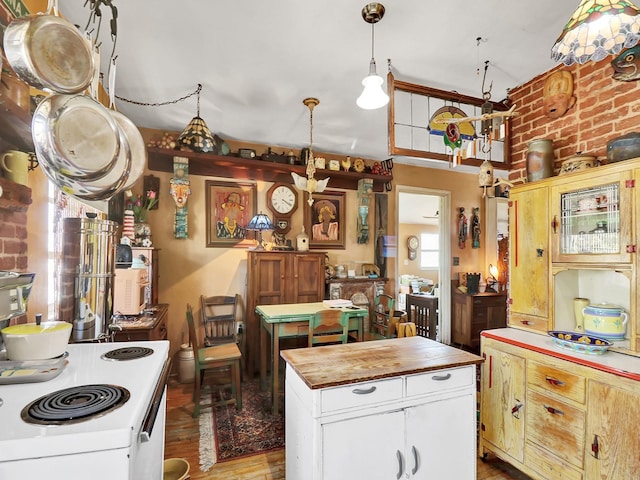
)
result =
(219, 319)
(385, 317)
(328, 326)
(219, 357)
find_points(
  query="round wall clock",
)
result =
(412, 245)
(282, 200)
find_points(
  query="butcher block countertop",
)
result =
(333, 365)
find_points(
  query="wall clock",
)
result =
(412, 245)
(282, 200)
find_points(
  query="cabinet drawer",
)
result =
(361, 394)
(440, 380)
(547, 465)
(556, 426)
(528, 322)
(483, 302)
(555, 380)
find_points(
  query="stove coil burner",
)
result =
(127, 353)
(75, 404)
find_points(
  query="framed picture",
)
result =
(324, 221)
(230, 206)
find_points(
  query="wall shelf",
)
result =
(207, 164)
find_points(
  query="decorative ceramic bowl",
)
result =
(579, 342)
(30, 341)
(577, 163)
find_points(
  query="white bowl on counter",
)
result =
(30, 341)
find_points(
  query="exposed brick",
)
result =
(15, 247)
(7, 262)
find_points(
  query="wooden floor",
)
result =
(182, 440)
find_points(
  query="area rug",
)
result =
(250, 431)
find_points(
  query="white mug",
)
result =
(16, 166)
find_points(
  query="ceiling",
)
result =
(258, 60)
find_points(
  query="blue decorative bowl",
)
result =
(579, 342)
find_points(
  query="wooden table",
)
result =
(423, 311)
(292, 320)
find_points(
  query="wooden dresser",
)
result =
(471, 314)
(151, 326)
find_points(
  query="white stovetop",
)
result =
(115, 429)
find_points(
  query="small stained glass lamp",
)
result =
(259, 223)
(196, 135)
(596, 29)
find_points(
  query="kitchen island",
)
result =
(395, 408)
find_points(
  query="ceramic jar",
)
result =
(605, 320)
(539, 159)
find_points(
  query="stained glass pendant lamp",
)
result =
(373, 96)
(196, 135)
(596, 29)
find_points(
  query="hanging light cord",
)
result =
(372, 40)
(168, 102)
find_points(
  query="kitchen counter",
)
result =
(610, 362)
(390, 408)
(333, 365)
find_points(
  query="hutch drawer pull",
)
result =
(416, 460)
(364, 391)
(515, 411)
(553, 411)
(400, 465)
(527, 322)
(441, 378)
(554, 381)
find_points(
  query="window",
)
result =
(429, 251)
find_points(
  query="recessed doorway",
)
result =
(425, 214)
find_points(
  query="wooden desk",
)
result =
(150, 326)
(423, 311)
(292, 320)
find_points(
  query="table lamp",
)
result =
(259, 223)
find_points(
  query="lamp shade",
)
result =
(596, 29)
(373, 96)
(197, 136)
(260, 222)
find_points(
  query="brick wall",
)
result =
(14, 202)
(605, 109)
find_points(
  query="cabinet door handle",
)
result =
(416, 460)
(441, 378)
(595, 447)
(364, 391)
(554, 224)
(400, 464)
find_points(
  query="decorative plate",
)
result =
(579, 342)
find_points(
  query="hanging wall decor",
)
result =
(475, 228)
(462, 228)
(365, 190)
(180, 189)
(230, 206)
(324, 221)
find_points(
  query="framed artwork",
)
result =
(229, 208)
(324, 221)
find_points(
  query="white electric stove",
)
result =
(100, 418)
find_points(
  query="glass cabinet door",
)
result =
(592, 221)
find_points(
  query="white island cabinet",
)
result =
(386, 409)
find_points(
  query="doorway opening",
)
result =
(425, 214)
